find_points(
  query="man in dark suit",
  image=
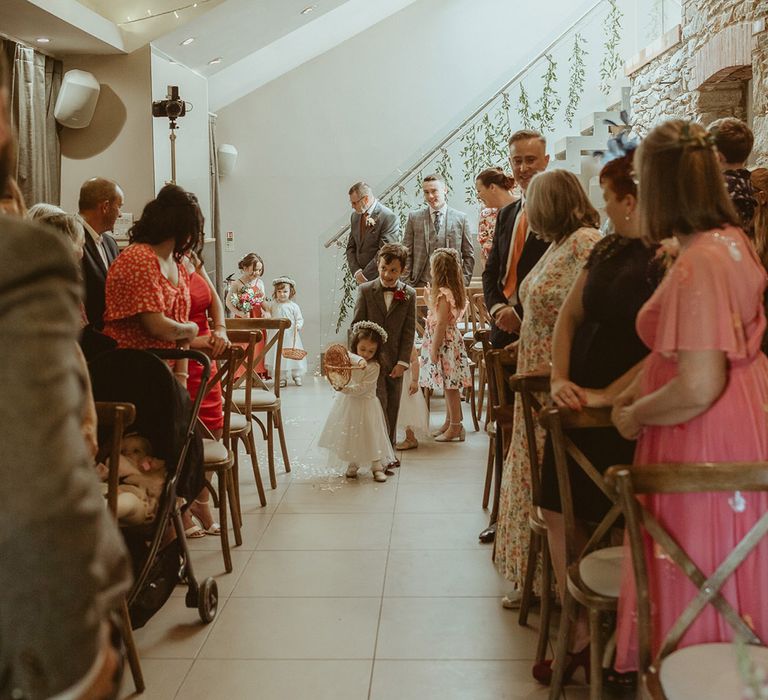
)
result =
(392, 304)
(372, 225)
(99, 207)
(514, 252)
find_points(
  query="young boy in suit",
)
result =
(392, 304)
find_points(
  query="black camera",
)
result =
(172, 107)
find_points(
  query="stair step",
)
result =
(578, 145)
(618, 99)
(596, 119)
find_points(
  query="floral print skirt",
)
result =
(451, 371)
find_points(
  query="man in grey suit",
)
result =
(372, 225)
(392, 304)
(436, 226)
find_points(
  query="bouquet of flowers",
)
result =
(246, 300)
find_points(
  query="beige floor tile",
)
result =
(445, 472)
(209, 562)
(294, 628)
(249, 495)
(175, 632)
(439, 531)
(253, 528)
(277, 680)
(455, 680)
(437, 573)
(472, 451)
(328, 531)
(162, 678)
(317, 574)
(340, 496)
(451, 628)
(437, 497)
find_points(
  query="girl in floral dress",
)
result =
(444, 362)
(558, 211)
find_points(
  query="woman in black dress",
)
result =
(594, 344)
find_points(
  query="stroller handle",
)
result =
(200, 357)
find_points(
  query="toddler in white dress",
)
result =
(356, 429)
(413, 416)
(283, 306)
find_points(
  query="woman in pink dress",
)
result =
(702, 392)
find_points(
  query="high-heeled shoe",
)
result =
(542, 671)
(457, 438)
(439, 431)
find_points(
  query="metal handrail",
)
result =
(425, 159)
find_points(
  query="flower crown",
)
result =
(371, 326)
(689, 140)
(283, 280)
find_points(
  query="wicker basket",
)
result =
(294, 353)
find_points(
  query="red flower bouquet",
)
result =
(246, 300)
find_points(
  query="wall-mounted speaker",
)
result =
(227, 155)
(77, 99)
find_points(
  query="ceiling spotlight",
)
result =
(43, 40)
(187, 41)
(214, 61)
(308, 9)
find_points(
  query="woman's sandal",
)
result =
(542, 671)
(214, 528)
(619, 681)
(194, 532)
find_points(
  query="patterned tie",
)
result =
(438, 215)
(517, 243)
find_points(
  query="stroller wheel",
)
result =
(208, 600)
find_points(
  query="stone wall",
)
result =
(724, 39)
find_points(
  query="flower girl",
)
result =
(356, 429)
(283, 306)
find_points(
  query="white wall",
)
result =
(118, 142)
(361, 111)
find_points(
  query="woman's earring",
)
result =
(627, 217)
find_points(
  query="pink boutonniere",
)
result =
(369, 220)
(399, 295)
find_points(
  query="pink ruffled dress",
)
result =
(451, 371)
(711, 299)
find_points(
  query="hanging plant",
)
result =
(418, 193)
(609, 66)
(398, 202)
(443, 168)
(549, 102)
(472, 158)
(576, 77)
(348, 289)
(524, 109)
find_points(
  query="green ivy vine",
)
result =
(576, 77)
(549, 102)
(609, 66)
(524, 108)
(348, 290)
(443, 168)
(399, 203)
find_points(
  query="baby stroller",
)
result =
(167, 417)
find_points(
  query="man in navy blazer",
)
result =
(99, 207)
(527, 156)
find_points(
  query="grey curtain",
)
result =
(214, 186)
(35, 87)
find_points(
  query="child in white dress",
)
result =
(413, 416)
(356, 429)
(283, 306)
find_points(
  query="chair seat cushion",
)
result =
(601, 571)
(707, 672)
(214, 451)
(237, 422)
(259, 398)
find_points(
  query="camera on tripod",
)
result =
(172, 107)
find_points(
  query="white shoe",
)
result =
(512, 600)
(379, 476)
(352, 471)
(297, 381)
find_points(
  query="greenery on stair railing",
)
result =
(482, 141)
(577, 77)
(609, 66)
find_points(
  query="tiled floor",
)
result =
(349, 590)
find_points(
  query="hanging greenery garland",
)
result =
(549, 102)
(576, 78)
(398, 202)
(443, 168)
(609, 66)
(471, 155)
(524, 109)
(348, 289)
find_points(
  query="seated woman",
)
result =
(147, 290)
(594, 344)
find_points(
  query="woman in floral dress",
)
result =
(558, 211)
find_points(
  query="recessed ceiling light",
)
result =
(187, 41)
(308, 9)
(214, 61)
(43, 40)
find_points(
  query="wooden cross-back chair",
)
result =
(482, 331)
(217, 454)
(528, 386)
(593, 570)
(118, 416)
(468, 327)
(262, 398)
(502, 367)
(701, 671)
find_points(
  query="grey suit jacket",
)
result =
(399, 322)
(417, 240)
(362, 246)
(63, 561)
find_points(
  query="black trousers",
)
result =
(388, 391)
